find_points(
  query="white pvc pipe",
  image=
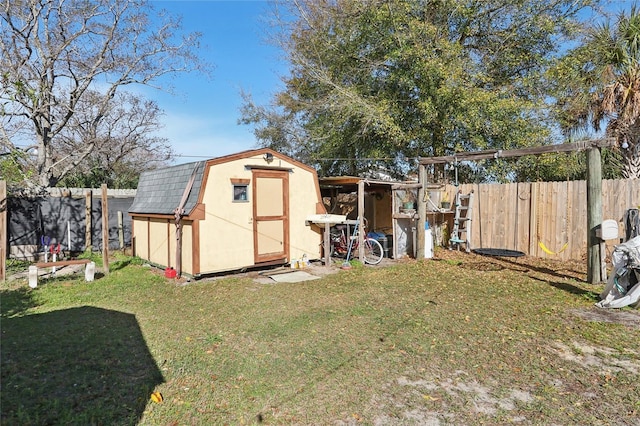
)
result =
(33, 276)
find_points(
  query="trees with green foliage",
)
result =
(598, 87)
(63, 65)
(13, 168)
(394, 80)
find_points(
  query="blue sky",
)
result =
(201, 118)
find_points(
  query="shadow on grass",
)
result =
(569, 288)
(119, 264)
(82, 365)
(539, 268)
(531, 268)
(522, 266)
(15, 302)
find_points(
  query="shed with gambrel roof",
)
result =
(233, 212)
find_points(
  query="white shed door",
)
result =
(271, 215)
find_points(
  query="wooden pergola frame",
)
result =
(594, 189)
(359, 185)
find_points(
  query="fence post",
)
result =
(422, 212)
(120, 229)
(594, 214)
(88, 243)
(105, 230)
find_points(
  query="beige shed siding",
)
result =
(158, 241)
(304, 195)
(160, 236)
(140, 237)
(226, 234)
(187, 244)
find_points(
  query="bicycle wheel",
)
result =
(372, 251)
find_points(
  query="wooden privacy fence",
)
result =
(519, 216)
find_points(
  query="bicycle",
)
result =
(350, 249)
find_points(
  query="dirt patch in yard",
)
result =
(601, 358)
(435, 402)
(627, 318)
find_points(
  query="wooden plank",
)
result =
(559, 213)
(542, 218)
(120, 229)
(566, 208)
(563, 203)
(88, 244)
(105, 230)
(533, 219)
(422, 213)
(491, 210)
(553, 224)
(394, 222)
(511, 222)
(481, 211)
(551, 221)
(536, 150)
(407, 186)
(523, 204)
(580, 219)
(549, 214)
(503, 221)
(62, 263)
(594, 213)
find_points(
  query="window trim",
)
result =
(237, 184)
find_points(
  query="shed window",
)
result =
(240, 192)
(240, 189)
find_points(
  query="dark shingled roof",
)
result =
(160, 191)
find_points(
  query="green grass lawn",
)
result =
(458, 340)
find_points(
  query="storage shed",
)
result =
(389, 208)
(238, 211)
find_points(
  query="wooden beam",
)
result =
(121, 229)
(533, 218)
(536, 150)
(63, 263)
(594, 214)
(407, 186)
(422, 211)
(88, 244)
(105, 230)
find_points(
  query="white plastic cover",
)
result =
(623, 286)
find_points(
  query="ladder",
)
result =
(461, 232)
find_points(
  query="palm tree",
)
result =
(603, 87)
